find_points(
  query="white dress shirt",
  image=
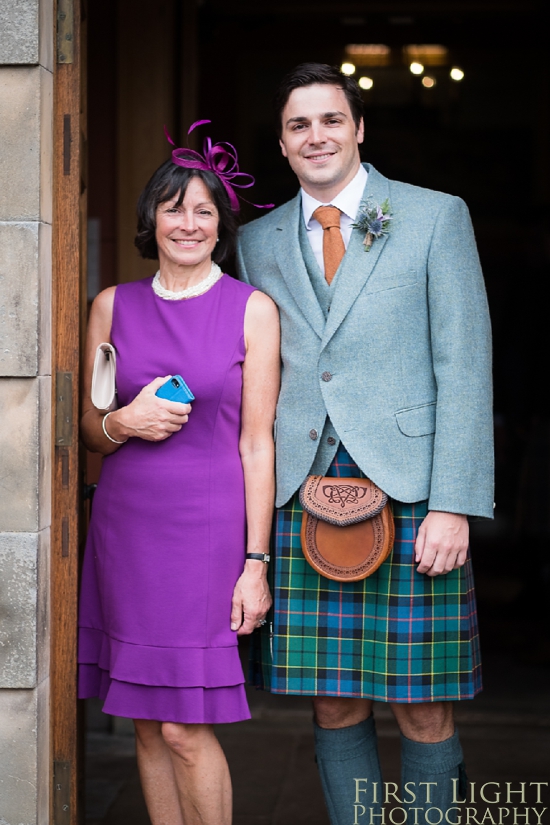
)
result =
(347, 201)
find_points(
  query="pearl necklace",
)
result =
(192, 291)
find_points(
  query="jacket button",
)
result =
(331, 440)
(314, 435)
(326, 376)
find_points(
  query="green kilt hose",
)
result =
(396, 636)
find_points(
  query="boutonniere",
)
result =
(373, 220)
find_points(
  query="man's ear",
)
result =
(283, 149)
(361, 131)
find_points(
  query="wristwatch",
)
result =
(265, 557)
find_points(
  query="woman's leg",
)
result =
(156, 772)
(201, 772)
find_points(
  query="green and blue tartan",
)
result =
(396, 636)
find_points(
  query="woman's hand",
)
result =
(149, 417)
(251, 598)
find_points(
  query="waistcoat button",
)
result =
(313, 434)
(326, 376)
(331, 440)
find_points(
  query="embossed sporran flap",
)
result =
(347, 526)
(341, 501)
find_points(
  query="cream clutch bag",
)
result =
(104, 378)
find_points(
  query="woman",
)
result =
(166, 588)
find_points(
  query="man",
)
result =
(386, 373)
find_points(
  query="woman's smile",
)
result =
(188, 243)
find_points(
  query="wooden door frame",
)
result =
(68, 306)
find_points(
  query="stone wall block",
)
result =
(18, 756)
(19, 291)
(19, 31)
(20, 92)
(19, 448)
(45, 452)
(46, 44)
(43, 606)
(46, 144)
(44, 784)
(18, 603)
(44, 299)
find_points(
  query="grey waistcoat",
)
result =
(329, 439)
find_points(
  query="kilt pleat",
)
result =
(396, 636)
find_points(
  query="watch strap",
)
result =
(265, 557)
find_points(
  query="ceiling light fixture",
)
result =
(400, 20)
(429, 54)
(369, 54)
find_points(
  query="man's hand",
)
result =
(251, 598)
(442, 543)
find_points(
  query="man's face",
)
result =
(320, 139)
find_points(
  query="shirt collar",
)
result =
(347, 201)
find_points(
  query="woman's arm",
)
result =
(261, 377)
(147, 416)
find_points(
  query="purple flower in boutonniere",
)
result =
(373, 220)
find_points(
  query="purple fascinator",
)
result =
(220, 158)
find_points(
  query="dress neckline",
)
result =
(194, 291)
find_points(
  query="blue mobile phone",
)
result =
(175, 389)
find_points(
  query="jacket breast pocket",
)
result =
(401, 279)
(417, 421)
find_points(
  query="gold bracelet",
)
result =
(105, 417)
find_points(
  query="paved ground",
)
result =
(505, 734)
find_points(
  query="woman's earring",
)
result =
(218, 239)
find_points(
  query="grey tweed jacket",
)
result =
(406, 350)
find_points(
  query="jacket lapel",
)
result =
(291, 263)
(357, 264)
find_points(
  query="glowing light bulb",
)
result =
(347, 68)
(428, 82)
(366, 82)
(416, 68)
(457, 74)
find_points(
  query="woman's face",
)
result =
(186, 234)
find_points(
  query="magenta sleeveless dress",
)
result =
(166, 543)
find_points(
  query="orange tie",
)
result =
(333, 243)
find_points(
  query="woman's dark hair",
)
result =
(170, 181)
(306, 74)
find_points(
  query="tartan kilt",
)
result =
(396, 636)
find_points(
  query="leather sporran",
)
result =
(347, 526)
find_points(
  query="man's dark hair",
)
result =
(306, 74)
(170, 181)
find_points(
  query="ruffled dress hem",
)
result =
(195, 705)
(207, 667)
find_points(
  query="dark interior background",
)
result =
(485, 138)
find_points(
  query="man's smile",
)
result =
(320, 157)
